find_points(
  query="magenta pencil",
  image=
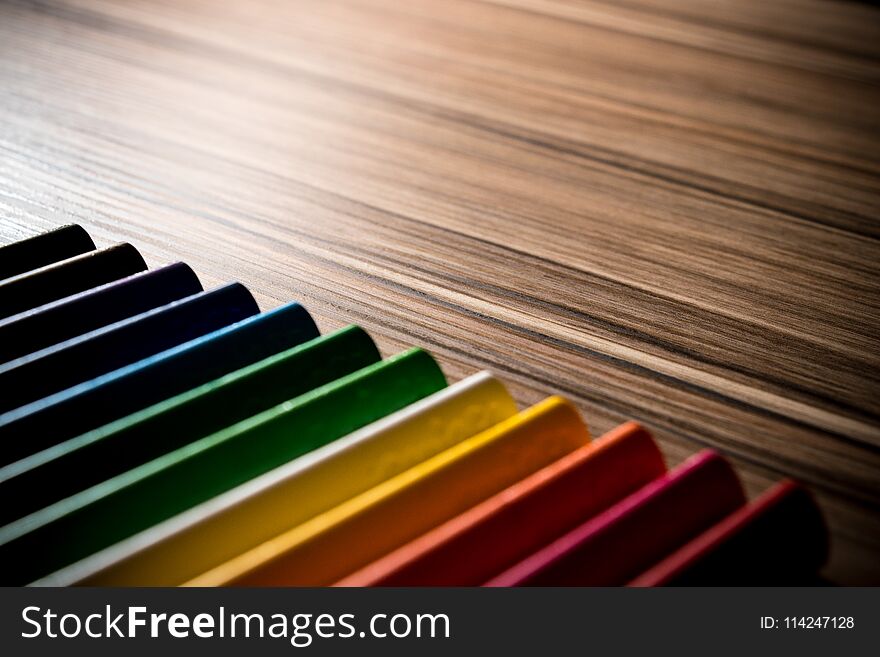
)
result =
(615, 546)
(780, 539)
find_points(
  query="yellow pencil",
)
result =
(203, 537)
(338, 542)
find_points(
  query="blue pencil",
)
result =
(103, 350)
(34, 427)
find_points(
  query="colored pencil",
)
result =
(82, 524)
(44, 249)
(344, 539)
(91, 458)
(74, 411)
(496, 534)
(779, 539)
(209, 534)
(637, 532)
(103, 350)
(61, 279)
(75, 315)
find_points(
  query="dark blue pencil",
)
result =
(67, 318)
(103, 350)
(67, 277)
(44, 249)
(71, 412)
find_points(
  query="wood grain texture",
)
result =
(665, 211)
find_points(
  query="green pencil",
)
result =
(100, 516)
(62, 470)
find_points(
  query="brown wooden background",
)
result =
(665, 211)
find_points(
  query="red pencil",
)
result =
(638, 531)
(486, 539)
(780, 539)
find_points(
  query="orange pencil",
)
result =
(485, 540)
(334, 544)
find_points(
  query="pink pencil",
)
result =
(637, 532)
(779, 539)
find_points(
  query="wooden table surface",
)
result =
(664, 211)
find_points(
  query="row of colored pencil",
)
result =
(157, 434)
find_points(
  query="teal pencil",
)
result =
(96, 518)
(76, 464)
